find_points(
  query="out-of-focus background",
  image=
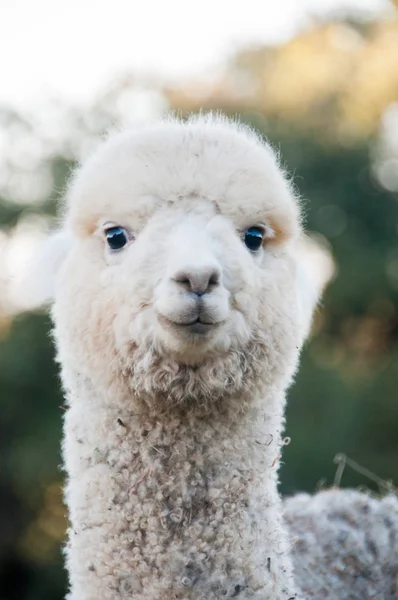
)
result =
(319, 78)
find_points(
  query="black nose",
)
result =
(198, 281)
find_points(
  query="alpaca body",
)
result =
(168, 506)
(345, 545)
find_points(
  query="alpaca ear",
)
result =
(316, 268)
(42, 278)
(309, 295)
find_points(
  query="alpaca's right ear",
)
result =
(41, 280)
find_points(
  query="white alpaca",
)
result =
(345, 545)
(180, 309)
(179, 313)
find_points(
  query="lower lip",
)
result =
(196, 328)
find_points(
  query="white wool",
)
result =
(345, 545)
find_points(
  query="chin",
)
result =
(186, 369)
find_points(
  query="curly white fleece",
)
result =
(345, 545)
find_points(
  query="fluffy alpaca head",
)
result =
(182, 280)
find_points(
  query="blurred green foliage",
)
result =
(345, 395)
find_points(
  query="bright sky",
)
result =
(70, 49)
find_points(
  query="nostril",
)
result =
(184, 281)
(198, 282)
(214, 279)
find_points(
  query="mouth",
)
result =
(196, 327)
(199, 327)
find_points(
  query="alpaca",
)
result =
(345, 545)
(180, 307)
(181, 301)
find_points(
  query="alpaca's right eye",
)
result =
(253, 238)
(117, 237)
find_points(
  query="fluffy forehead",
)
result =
(135, 173)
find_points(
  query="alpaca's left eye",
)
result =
(117, 237)
(254, 238)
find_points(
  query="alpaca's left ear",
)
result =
(309, 296)
(316, 269)
(41, 280)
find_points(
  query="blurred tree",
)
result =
(335, 79)
(32, 519)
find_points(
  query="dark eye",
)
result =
(254, 238)
(117, 237)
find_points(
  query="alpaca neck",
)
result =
(178, 504)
